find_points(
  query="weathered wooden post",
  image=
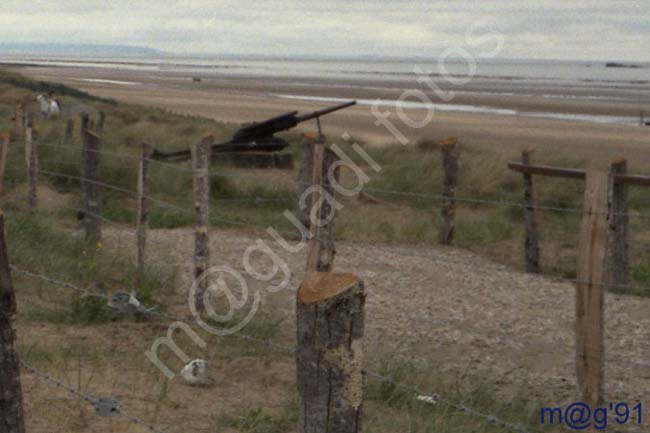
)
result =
(28, 123)
(69, 128)
(100, 122)
(318, 174)
(31, 154)
(4, 153)
(143, 208)
(90, 191)
(11, 396)
(330, 327)
(83, 125)
(618, 225)
(305, 179)
(19, 119)
(531, 243)
(450, 153)
(592, 247)
(201, 218)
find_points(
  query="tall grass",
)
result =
(494, 229)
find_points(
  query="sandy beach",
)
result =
(238, 98)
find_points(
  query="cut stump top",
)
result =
(319, 286)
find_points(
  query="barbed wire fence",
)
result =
(106, 406)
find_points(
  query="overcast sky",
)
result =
(551, 29)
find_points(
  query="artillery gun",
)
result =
(259, 136)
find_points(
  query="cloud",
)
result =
(533, 28)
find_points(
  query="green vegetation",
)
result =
(391, 407)
(257, 420)
(17, 80)
(490, 229)
(67, 327)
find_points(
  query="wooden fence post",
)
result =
(69, 128)
(83, 125)
(143, 208)
(592, 247)
(330, 327)
(618, 224)
(305, 179)
(450, 153)
(4, 153)
(11, 396)
(19, 119)
(201, 218)
(100, 122)
(318, 168)
(90, 191)
(31, 154)
(531, 243)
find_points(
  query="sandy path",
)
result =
(458, 311)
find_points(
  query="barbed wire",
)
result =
(438, 197)
(173, 318)
(104, 406)
(468, 263)
(433, 398)
(56, 282)
(158, 202)
(259, 226)
(113, 187)
(153, 161)
(163, 315)
(506, 203)
(286, 349)
(462, 408)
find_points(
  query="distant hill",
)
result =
(63, 49)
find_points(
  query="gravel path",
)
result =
(456, 310)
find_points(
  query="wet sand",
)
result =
(244, 99)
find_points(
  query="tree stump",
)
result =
(11, 396)
(330, 322)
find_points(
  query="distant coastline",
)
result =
(64, 49)
(542, 72)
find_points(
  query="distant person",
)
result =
(54, 105)
(44, 102)
(55, 108)
(50, 107)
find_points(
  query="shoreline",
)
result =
(238, 99)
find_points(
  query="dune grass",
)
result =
(255, 199)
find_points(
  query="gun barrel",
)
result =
(325, 111)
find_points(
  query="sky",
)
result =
(538, 29)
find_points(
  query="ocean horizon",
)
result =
(384, 68)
